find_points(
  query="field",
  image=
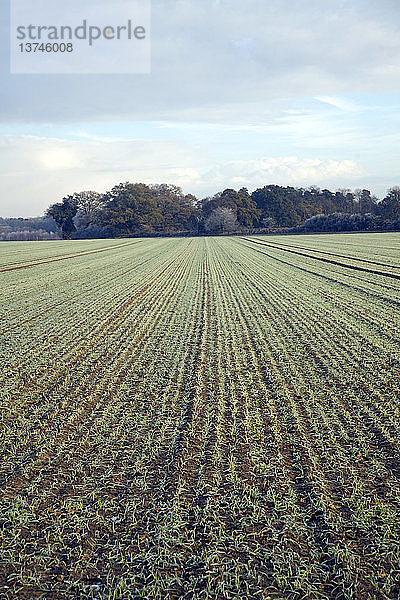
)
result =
(201, 418)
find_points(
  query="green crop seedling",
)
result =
(198, 418)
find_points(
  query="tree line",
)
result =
(25, 229)
(140, 209)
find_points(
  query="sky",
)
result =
(240, 94)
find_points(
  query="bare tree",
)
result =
(221, 220)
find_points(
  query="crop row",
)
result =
(200, 418)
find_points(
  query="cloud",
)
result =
(289, 170)
(231, 82)
(341, 103)
(37, 172)
(208, 56)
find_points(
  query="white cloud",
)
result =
(37, 172)
(48, 169)
(342, 103)
(290, 170)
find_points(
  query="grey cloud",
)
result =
(209, 55)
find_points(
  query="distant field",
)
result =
(201, 418)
